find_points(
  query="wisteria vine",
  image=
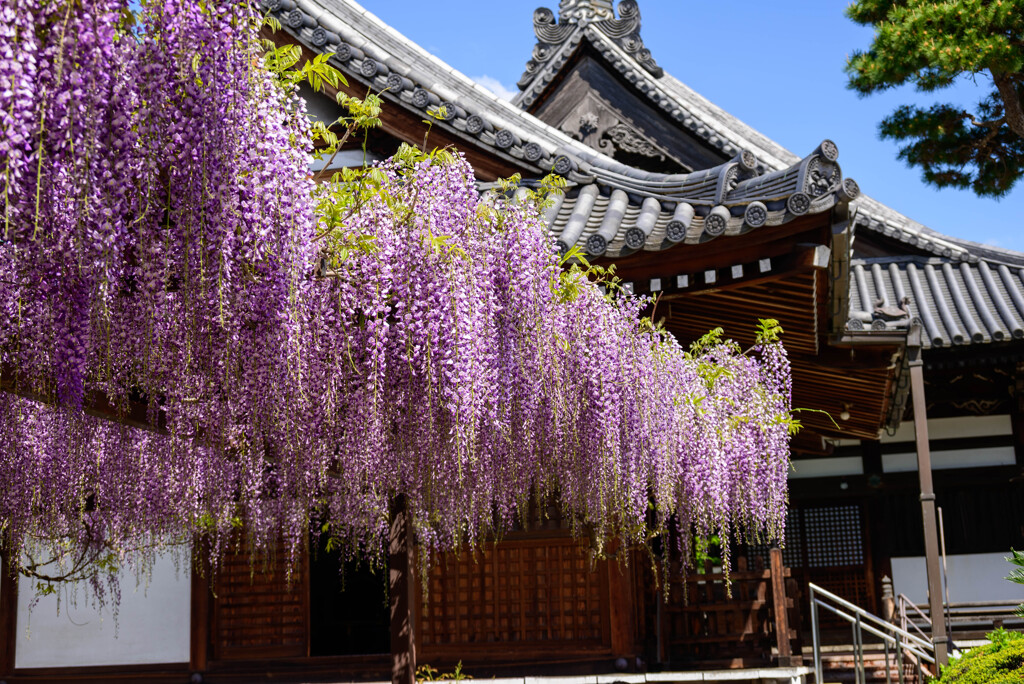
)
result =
(191, 345)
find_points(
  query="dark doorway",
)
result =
(349, 612)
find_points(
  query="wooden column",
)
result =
(620, 608)
(200, 617)
(8, 616)
(924, 473)
(401, 587)
(1017, 414)
(780, 608)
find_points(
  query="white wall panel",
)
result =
(972, 577)
(954, 458)
(153, 624)
(825, 467)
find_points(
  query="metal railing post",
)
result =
(858, 650)
(899, 659)
(888, 677)
(815, 637)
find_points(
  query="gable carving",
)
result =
(563, 34)
(607, 130)
(622, 137)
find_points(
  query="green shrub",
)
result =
(1001, 662)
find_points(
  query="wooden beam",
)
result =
(8, 614)
(724, 252)
(94, 404)
(401, 588)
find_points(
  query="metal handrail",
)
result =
(903, 601)
(919, 649)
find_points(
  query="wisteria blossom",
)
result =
(175, 360)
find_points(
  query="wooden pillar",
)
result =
(1017, 414)
(401, 587)
(8, 616)
(924, 472)
(620, 608)
(200, 616)
(780, 608)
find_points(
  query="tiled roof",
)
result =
(365, 46)
(611, 209)
(613, 214)
(957, 302)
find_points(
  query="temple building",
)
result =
(726, 227)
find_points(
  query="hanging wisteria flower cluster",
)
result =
(188, 347)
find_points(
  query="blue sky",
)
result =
(776, 65)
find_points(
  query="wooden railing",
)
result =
(701, 625)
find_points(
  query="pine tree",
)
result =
(932, 44)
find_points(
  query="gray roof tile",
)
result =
(957, 302)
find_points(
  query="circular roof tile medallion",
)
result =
(714, 224)
(562, 248)
(420, 98)
(272, 5)
(947, 252)
(756, 214)
(829, 150)
(850, 190)
(798, 203)
(878, 324)
(748, 160)
(369, 67)
(344, 52)
(446, 110)
(294, 18)
(675, 231)
(635, 238)
(319, 37)
(395, 83)
(596, 245)
(854, 324)
(533, 152)
(475, 125)
(505, 139)
(563, 166)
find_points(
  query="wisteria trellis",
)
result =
(160, 247)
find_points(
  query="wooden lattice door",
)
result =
(536, 595)
(257, 614)
(828, 545)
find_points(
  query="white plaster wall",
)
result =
(153, 624)
(971, 577)
(825, 467)
(948, 460)
(952, 428)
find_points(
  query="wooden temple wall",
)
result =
(534, 603)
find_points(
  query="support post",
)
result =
(1017, 414)
(924, 472)
(200, 615)
(401, 588)
(781, 609)
(8, 615)
(620, 608)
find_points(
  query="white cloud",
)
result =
(495, 86)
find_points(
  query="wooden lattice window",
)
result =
(517, 592)
(833, 536)
(256, 613)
